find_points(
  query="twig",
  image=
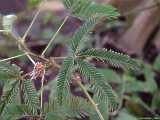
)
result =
(54, 36)
(30, 58)
(41, 102)
(90, 99)
(30, 26)
(58, 58)
(10, 58)
(39, 57)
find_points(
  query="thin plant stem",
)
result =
(10, 58)
(39, 57)
(55, 35)
(91, 100)
(57, 58)
(41, 101)
(30, 58)
(32, 22)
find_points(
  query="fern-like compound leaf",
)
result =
(76, 107)
(31, 97)
(9, 96)
(101, 89)
(12, 112)
(63, 78)
(72, 106)
(114, 58)
(86, 8)
(82, 32)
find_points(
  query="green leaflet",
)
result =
(114, 58)
(9, 96)
(63, 78)
(102, 90)
(68, 3)
(31, 97)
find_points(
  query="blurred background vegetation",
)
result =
(136, 33)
